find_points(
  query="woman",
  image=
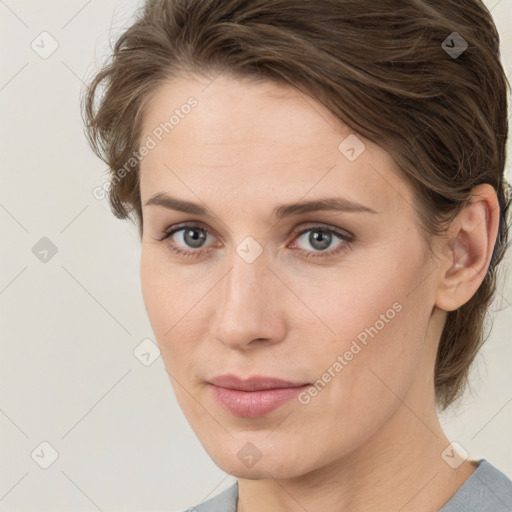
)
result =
(319, 189)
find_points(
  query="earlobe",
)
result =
(471, 240)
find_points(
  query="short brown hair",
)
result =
(383, 67)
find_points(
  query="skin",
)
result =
(371, 439)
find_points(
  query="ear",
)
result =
(468, 248)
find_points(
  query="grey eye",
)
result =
(319, 239)
(191, 237)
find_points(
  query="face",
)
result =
(335, 302)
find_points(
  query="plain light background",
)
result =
(69, 374)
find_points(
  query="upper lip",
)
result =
(255, 383)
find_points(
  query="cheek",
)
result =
(166, 294)
(164, 297)
(155, 286)
(173, 300)
(379, 317)
(374, 358)
(352, 300)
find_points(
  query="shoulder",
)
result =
(226, 501)
(486, 490)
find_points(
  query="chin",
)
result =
(243, 460)
(260, 471)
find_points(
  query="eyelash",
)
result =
(345, 237)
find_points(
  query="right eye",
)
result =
(189, 237)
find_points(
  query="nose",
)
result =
(250, 308)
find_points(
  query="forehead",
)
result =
(260, 138)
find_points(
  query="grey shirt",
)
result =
(486, 490)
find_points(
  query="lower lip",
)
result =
(252, 404)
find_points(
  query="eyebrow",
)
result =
(285, 210)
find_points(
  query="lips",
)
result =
(253, 383)
(254, 396)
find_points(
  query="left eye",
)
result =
(321, 238)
